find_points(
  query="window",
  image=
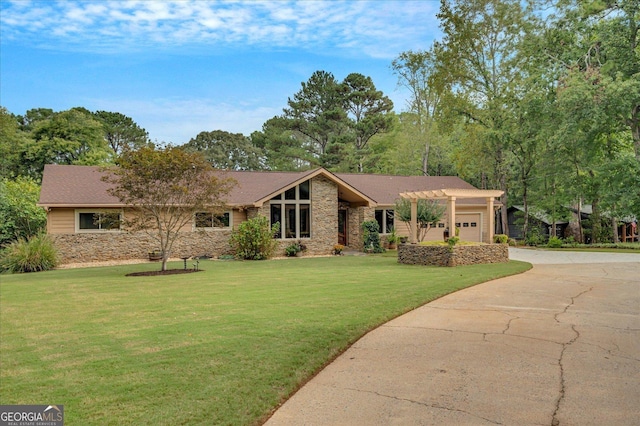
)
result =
(293, 212)
(440, 225)
(474, 224)
(385, 219)
(209, 220)
(98, 221)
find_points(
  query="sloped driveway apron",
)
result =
(557, 345)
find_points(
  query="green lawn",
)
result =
(223, 346)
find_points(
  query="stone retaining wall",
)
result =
(413, 254)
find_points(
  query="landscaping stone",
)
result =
(436, 255)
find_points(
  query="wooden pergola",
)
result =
(451, 195)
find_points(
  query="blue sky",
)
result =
(179, 68)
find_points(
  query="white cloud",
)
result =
(376, 28)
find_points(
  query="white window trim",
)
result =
(213, 228)
(95, 231)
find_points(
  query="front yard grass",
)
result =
(223, 346)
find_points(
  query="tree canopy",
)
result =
(165, 187)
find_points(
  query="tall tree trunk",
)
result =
(634, 124)
(503, 211)
(525, 225)
(425, 159)
(580, 233)
(596, 222)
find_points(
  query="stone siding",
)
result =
(324, 217)
(414, 254)
(96, 247)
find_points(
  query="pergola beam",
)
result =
(451, 195)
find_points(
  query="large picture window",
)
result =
(208, 220)
(384, 217)
(292, 209)
(98, 221)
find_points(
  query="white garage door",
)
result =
(470, 226)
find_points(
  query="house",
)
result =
(318, 207)
(539, 221)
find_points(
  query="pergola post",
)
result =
(492, 220)
(414, 220)
(451, 213)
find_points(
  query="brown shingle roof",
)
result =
(385, 189)
(80, 186)
(75, 186)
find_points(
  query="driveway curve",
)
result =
(557, 345)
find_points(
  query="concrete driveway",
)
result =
(558, 345)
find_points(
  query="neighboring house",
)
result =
(318, 207)
(538, 220)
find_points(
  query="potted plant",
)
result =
(295, 249)
(155, 255)
(337, 249)
(392, 239)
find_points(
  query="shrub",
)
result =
(254, 240)
(34, 254)
(512, 242)
(500, 239)
(294, 249)
(371, 236)
(554, 242)
(452, 241)
(534, 237)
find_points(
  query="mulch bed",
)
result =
(167, 272)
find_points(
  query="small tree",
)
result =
(429, 213)
(20, 217)
(164, 188)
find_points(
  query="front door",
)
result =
(342, 227)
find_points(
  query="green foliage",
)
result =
(500, 239)
(295, 248)
(534, 237)
(228, 151)
(392, 237)
(554, 242)
(19, 215)
(12, 141)
(121, 132)
(452, 241)
(368, 112)
(68, 137)
(282, 147)
(291, 250)
(429, 213)
(371, 237)
(254, 239)
(34, 254)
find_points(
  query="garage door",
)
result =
(470, 226)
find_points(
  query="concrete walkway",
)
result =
(558, 345)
